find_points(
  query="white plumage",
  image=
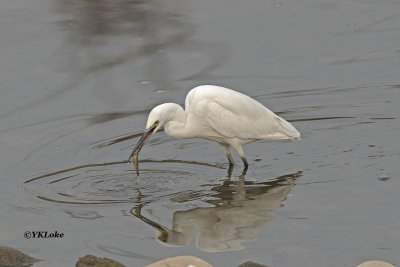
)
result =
(219, 114)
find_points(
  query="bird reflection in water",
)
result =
(241, 209)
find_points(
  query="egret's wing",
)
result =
(233, 114)
(237, 115)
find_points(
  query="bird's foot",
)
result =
(244, 170)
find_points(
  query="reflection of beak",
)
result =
(145, 137)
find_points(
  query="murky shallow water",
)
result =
(78, 79)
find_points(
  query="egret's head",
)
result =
(155, 121)
(156, 118)
(163, 114)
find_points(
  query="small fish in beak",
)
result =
(136, 162)
(135, 153)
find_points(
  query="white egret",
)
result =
(219, 114)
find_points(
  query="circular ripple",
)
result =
(116, 182)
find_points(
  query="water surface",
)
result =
(78, 79)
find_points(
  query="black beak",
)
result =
(146, 136)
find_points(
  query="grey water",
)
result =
(78, 78)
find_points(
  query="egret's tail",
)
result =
(288, 128)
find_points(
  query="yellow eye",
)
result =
(156, 122)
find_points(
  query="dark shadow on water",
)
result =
(116, 140)
(327, 90)
(369, 27)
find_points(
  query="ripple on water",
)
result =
(116, 182)
(204, 204)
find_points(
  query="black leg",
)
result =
(245, 162)
(227, 151)
(230, 171)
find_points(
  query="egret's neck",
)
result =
(175, 123)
